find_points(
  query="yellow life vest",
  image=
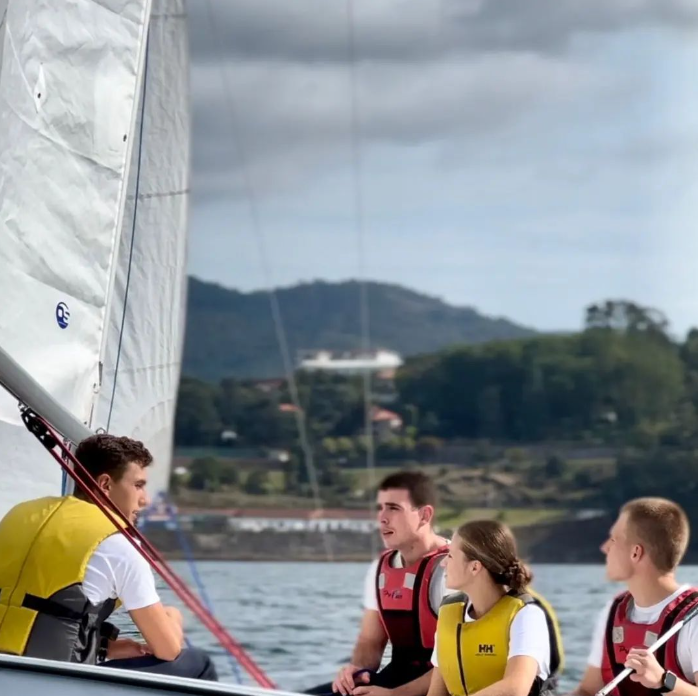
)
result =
(45, 546)
(473, 655)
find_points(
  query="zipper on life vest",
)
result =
(460, 659)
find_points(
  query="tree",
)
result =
(396, 448)
(333, 404)
(292, 474)
(626, 317)
(204, 474)
(177, 482)
(196, 419)
(257, 482)
(329, 446)
(601, 380)
(331, 476)
(427, 448)
(667, 472)
(620, 380)
(555, 467)
(228, 475)
(346, 447)
(231, 401)
(689, 357)
(582, 478)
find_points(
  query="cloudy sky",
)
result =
(525, 158)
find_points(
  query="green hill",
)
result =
(230, 333)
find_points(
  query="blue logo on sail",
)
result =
(62, 315)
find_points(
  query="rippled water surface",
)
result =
(299, 620)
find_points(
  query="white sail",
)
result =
(69, 80)
(142, 362)
(3, 16)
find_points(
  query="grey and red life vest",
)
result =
(623, 634)
(404, 607)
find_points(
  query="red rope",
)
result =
(146, 549)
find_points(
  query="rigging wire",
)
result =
(173, 517)
(134, 229)
(360, 231)
(260, 239)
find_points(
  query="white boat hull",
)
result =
(31, 677)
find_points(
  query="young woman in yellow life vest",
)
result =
(495, 637)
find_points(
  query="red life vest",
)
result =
(622, 635)
(404, 607)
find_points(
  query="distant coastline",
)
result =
(564, 542)
(570, 541)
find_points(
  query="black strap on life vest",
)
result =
(669, 621)
(615, 666)
(543, 687)
(51, 608)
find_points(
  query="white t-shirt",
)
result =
(437, 584)
(117, 571)
(687, 644)
(528, 636)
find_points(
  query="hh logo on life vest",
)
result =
(394, 594)
(485, 649)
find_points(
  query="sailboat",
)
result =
(94, 183)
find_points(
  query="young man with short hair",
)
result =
(402, 594)
(644, 548)
(70, 565)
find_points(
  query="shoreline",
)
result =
(320, 559)
(561, 542)
(564, 542)
(567, 542)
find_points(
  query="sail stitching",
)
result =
(164, 194)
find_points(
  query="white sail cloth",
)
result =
(146, 324)
(70, 77)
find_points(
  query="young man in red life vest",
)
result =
(402, 593)
(644, 548)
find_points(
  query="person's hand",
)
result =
(647, 670)
(371, 691)
(125, 648)
(344, 683)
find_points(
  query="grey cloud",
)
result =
(542, 25)
(416, 30)
(448, 72)
(292, 118)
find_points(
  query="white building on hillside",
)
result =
(349, 363)
(280, 520)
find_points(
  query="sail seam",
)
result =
(146, 368)
(164, 194)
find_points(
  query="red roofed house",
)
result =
(385, 423)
